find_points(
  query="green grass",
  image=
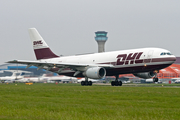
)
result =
(75, 102)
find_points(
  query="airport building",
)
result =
(5, 67)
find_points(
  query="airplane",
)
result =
(15, 75)
(143, 62)
(45, 78)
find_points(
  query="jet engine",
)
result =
(145, 75)
(95, 72)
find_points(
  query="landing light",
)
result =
(54, 66)
(156, 71)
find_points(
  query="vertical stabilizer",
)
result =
(41, 49)
(13, 74)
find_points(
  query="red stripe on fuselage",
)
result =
(127, 69)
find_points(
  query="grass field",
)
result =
(75, 102)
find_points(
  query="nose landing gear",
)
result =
(155, 79)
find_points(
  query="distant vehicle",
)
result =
(90, 80)
(175, 80)
(42, 78)
(126, 81)
(152, 81)
(9, 81)
(62, 78)
(149, 80)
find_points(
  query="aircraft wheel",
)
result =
(86, 83)
(155, 79)
(90, 83)
(120, 83)
(112, 83)
(116, 83)
(82, 83)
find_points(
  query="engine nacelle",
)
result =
(95, 73)
(145, 75)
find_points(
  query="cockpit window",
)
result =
(162, 54)
(169, 54)
(166, 53)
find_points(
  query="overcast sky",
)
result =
(68, 26)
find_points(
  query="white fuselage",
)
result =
(124, 61)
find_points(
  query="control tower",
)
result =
(101, 38)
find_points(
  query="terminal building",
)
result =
(5, 67)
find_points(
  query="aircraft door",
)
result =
(148, 58)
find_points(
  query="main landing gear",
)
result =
(155, 79)
(116, 82)
(86, 82)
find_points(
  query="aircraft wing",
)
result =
(49, 65)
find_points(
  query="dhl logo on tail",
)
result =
(37, 42)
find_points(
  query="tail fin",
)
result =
(14, 73)
(22, 73)
(41, 49)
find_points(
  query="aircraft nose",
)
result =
(174, 58)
